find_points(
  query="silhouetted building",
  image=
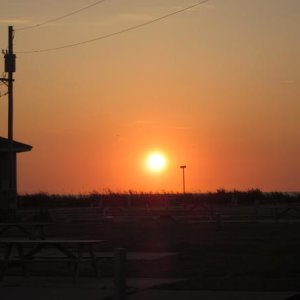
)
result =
(6, 200)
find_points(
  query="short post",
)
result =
(256, 210)
(120, 274)
(219, 222)
(183, 179)
(100, 202)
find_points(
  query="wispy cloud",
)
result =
(139, 122)
(135, 17)
(159, 124)
(289, 81)
(183, 127)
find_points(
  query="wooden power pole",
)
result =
(10, 68)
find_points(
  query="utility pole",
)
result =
(183, 178)
(10, 68)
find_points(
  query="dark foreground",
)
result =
(259, 255)
(242, 256)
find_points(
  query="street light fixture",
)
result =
(183, 178)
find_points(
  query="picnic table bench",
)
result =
(73, 251)
(32, 230)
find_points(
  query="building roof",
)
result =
(17, 146)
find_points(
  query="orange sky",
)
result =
(215, 88)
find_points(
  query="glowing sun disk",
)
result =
(156, 162)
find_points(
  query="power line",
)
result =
(117, 32)
(60, 17)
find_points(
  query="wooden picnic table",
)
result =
(32, 230)
(72, 251)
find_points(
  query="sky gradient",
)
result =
(215, 88)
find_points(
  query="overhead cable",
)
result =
(117, 32)
(60, 17)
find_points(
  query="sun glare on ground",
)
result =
(156, 161)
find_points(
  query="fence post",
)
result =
(120, 274)
(219, 222)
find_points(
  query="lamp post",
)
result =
(183, 178)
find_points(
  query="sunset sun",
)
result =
(156, 161)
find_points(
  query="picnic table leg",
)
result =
(6, 260)
(22, 259)
(120, 274)
(65, 251)
(77, 262)
(27, 232)
(42, 232)
(35, 250)
(93, 260)
(39, 232)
